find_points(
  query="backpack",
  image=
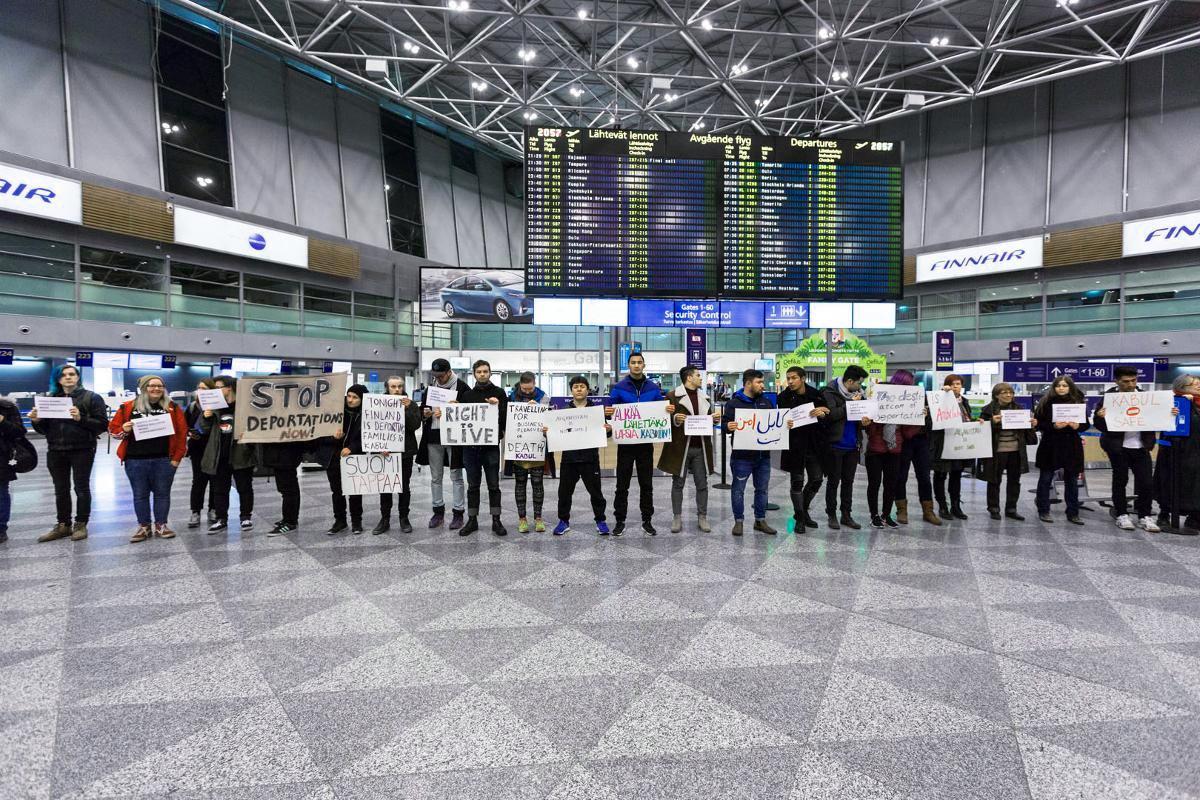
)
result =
(23, 457)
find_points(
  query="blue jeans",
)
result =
(147, 477)
(5, 506)
(1070, 492)
(760, 468)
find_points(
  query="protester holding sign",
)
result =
(227, 461)
(71, 450)
(527, 471)
(1184, 461)
(150, 458)
(949, 468)
(1060, 448)
(347, 441)
(685, 454)
(843, 437)
(884, 451)
(914, 453)
(747, 463)
(635, 387)
(580, 465)
(439, 456)
(394, 386)
(197, 440)
(1008, 453)
(484, 460)
(807, 447)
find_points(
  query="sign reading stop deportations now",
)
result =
(289, 408)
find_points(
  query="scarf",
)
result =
(846, 395)
(889, 435)
(451, 379)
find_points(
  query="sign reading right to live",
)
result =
(1139, 411)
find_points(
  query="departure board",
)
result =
(654, 213)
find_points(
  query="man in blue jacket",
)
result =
(635, 387)
(747, 463)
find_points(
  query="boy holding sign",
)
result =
(580, 465)
(843, 436)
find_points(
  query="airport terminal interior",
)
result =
(559, 400)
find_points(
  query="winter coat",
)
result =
(431, 435)
(835, 421)
(241, 456)
(284, 456)
(67, 434)
(1115, 441)
(176, 448)
(878, 445)
(482, 393)
(937, 440)
(626, 392)
(11, 429)
(197, 436)
(990, 469)
(1059, 448)
(672, 458)
(1185, 451)
(741, 400)
(805, 439)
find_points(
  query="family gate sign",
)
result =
(847, 349)
(289, 408)
(634, 423)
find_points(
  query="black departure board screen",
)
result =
(655, 213)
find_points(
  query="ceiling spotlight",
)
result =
(410, 47)
(738, 69)
(761, 102)
(939, 41)
(478, 86)
(526, 55)
(825, 33)
(670, 97)
(632, 62)
(166, 126)
(612, 119)
(1065, 3)
(576, 91)
(204, 181)
(530, 116)
(706, 24)
(582, 13)
(458, 5)
(839, 75)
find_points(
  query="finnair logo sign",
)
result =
(1161, 234)
(24, 191)
(986, 259)
(225, 235)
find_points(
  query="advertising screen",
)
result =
(450, 294)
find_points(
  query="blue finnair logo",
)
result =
(995, 257)
(257, 242)
(24, 191)
(1173, 232)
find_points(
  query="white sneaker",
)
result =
(1149, 525)
(1125, 523)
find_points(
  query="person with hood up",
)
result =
(347, 441)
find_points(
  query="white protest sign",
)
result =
(760, 429)
(574, 428)
(289, 408)
(523, 436)
(373, 474)
(945, 410)
(1139, 411)
(436, 396)
(800, 415)
(697, 425)
(968, 442)
(635, 423)
(382, 423)
(154, 426)
(1015, 419)
(470, 425)
(1068, 412)
(53, 407)
(899, 405)
(857, 409)
(211, 399)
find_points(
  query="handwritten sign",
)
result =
(575, 428)
(436, 396)
(523, 437)
(1068, 412)
(899, 405)
(967, 442)
(471, 425)
(799, 415)
(211, 399)
(382, 423)
(1139, 411)
(945, 410)
(760, 429)
(289, 408)
(857, 409)
(53, 407)
(373, 474)
(698, 425)
(635, 423)
(154, 426)
(1015, 419)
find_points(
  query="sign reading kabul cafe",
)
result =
(847, 349)
(289, 408)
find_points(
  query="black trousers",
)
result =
(339, 500)
(806, 482)
(882, 469)
(69, 467)
(570, 473)
(915, 453)
(1138, 462)
(404, 498)
(288, 485)
(628, 457)
(201, 481)
(939, 486)
(840, 470)
(527, 475)
(480, 463)
(226, 477)
(1008, 466)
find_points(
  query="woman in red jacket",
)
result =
(884, 448)
(151, 450)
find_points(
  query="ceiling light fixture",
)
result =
(825, 33)
(530, 115)
(478, 86)
(939, 41)
(582, 13)
(706, 24)
(526, 55)
(671, 97)
(410, 47)
(458, 5)
(632, 62)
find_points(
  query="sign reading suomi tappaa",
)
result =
(289, 408)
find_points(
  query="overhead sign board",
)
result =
(1161, 234)
(26, 191)
(984, 259)
(233, 236)
(1078, 371)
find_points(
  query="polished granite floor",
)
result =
(979, 660)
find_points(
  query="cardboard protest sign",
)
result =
(968, 442)
(944, 410)
(289, 408)
(635, 423)
(153, 427)
(574, 428)
(899, 405)
(1139, 411)
(523, 436)
(470, 425)
(372, 474)
(211, 399)
(1015, 419)
(1068, 412)
(383, 423)
(760, 429)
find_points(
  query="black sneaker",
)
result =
(890, 522)
(1075, 521)
(876, 521)
(809, 522)
(282, 529)
(619, 528)
(957, 512)
(1014, 515)
(472, 525)
(994, 514)
(357, 527)
(1045, 518)
(218, 526)
(498, 527)
(382, 527)
(648, 527)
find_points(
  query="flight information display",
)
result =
(656, 213)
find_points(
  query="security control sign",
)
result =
(25, 191)
(1161, 234)
(984, 259)
(233, 236)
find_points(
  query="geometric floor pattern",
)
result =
(977, 660)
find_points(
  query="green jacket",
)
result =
(241, 456)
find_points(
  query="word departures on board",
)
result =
(644, 213)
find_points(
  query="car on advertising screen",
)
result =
(462, 295)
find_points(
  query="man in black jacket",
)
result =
(412, 420)
(806, 447)
(843, 437)
(481, 460)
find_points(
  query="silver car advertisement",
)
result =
(474, 295)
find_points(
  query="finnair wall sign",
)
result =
(27, 192)
(213, 232)
(984, 259)
(1161, 234)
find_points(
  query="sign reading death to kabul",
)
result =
(523, 436)
(634, 423)
(289, 408)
